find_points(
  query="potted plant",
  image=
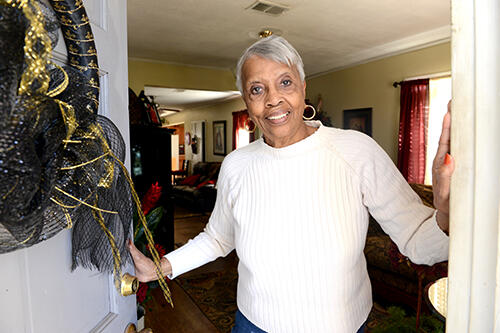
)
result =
(398, 322)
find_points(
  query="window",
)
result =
(243, 138)
(241, 135)
(439, 96)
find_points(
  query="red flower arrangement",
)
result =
(160, 249)
(142, 292)
(153, 216)
(151, 198)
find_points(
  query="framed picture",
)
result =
(359, 120)
(219, 131)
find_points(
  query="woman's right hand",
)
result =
(145, 269)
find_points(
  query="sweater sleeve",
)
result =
(216, 240)
(398, 209)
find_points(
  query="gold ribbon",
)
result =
(59, 89)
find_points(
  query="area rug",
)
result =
(215, 294)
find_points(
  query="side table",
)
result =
(436, 297)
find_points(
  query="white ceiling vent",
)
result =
(269, 7)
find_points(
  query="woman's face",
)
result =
(274, 95)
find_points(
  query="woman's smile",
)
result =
(278, 117)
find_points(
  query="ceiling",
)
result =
(329, 34)
(178, 99)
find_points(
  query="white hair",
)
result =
(273, 48)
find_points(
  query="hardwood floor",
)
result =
(185, 317)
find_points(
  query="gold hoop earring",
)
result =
(314, 112)
(247, 126)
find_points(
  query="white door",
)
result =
(38, 291)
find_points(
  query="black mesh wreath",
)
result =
(61, 164)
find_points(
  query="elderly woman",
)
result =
(295, 206)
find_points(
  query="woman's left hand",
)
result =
(442, 169)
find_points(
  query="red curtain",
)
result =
(413, 129)
(239, 120)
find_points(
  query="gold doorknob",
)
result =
(132, 329)
(130, 285)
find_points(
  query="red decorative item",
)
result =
(151, 198)
(142, 292)
(160, 249)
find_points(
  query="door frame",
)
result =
(474, 270)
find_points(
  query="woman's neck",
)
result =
(303, 132)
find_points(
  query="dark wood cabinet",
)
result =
(151, 158)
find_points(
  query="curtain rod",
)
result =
(428, 76)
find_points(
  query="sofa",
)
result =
(197, 191)
(394, 278)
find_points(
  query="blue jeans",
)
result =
(243, 325)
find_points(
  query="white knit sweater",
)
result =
(297, 217)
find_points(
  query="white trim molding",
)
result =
(473, 299)
(416, 42)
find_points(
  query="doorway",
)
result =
(178, 146)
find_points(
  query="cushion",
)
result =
(190, 180)
(205, 183)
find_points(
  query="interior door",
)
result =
(39, 293)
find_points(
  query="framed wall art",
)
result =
(359, 120)
(219, 132)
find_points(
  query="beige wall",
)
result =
(145, 73)
(370, 85)
(219, 111)
(367, 85)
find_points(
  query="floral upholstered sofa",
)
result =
(394, 278)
